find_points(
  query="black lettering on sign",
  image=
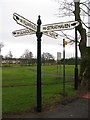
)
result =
(67, 25)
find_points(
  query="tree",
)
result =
(47, 58)
(1, 45)
(67, 8)
(10, 54)
(27, 57)
(8, 58)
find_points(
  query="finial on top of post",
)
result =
(39, 20)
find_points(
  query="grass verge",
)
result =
(19, 89)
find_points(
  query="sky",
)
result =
(30, 9)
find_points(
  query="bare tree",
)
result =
(47, 58)
(8, 58)
(10, 54)
(67, 9)
(27, 57)
(1, 45)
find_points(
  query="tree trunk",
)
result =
(85, 53)
(85, 61)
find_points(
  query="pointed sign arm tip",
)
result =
(13, 33)
(15, 16)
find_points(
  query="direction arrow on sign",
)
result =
(24, 22)
(60, 26)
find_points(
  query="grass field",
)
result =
(19, 87)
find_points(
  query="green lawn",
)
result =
(19, 88)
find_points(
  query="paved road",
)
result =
(77, 109)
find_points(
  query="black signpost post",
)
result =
(39, 35)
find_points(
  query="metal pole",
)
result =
(64, 67)
(39, 35)
(76, 58)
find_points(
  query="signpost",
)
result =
(49, 27)
(60, 26)
(39, 35)
(31, 27)
(48, 30)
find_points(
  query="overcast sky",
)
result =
(30, 9)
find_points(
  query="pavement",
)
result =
(78, 108)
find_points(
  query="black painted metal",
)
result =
(39, 35)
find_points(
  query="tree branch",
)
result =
(85, 12)
(85, 6)
(85, 24)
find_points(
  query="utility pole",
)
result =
(39, 35)
(76, 56)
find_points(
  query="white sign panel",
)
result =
(51, 34)
(60, 26)
(22, 32)
(24, 22)
(46, 29)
